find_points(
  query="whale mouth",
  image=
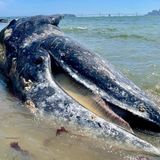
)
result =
(102, 108)
(87, 98)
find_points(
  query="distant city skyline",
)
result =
(81, 7)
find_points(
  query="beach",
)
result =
(131, 44)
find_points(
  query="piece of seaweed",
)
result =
(61, 130)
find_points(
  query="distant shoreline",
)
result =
(154, 13)
(88, 16)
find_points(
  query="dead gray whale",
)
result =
(33, 49)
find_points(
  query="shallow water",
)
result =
(36, 136)
(132, 45)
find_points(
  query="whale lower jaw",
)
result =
(69, 113)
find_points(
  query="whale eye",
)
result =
(39, 60)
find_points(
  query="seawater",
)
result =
(131, 44)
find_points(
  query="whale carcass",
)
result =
(33, 49)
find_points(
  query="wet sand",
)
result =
(36, 135)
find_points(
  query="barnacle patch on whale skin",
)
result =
(31, 106)
(2, 53)
(13, 67)
(7, 33)
(27, 84)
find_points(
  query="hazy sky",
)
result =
(32, 7)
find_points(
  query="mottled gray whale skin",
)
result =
(31, 46)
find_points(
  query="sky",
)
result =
(78, 7)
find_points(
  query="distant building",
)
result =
(154, 13)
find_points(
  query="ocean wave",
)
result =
(112, 29)
(93, 30)
(129, 36)
(75, 29)
(132, 37)
(105, 30)
(124, 36)
(109, 33)
(82, 28)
